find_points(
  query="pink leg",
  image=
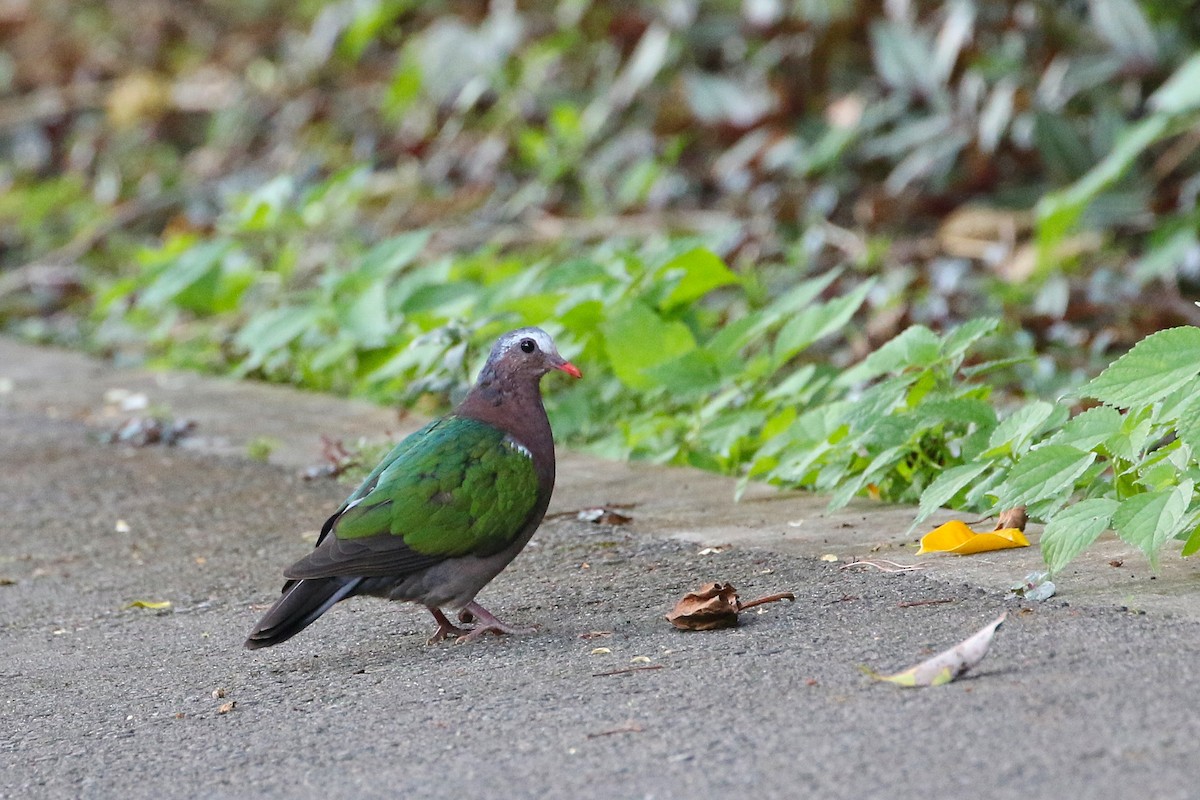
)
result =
(445, 628)
(485, 622)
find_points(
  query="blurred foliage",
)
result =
(831, 244)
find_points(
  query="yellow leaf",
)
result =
(151, 604)
(956, 537)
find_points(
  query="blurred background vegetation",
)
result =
(719, 208)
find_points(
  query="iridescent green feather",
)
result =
(457, 486)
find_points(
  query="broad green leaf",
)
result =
(1132, 437)
(638, 339)
(273, 330)
(1192, 544)
(1072, 530)
(1188, 424)
(194, 272)
(701, 270)
(692, 373)
(797, 299)
(876, 402)
(1155, 367)
(817, 322)
(795, 386)
(1058, 212)
(1181, 91)
(916, 346)
(1090, 428)
(958, 341)
(392, 255)
(1047, 472)
(1013, 432)
(964, 410)
(846, 491)
(944, 487)
(367, 319)
(1149, 520)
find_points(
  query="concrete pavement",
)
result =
(1085, 695)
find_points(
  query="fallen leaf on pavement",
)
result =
(948, 664)
(601, 515)
(1014, 517)
(715, 605)
(145, 431)
(1036, 586)
(154, 605)
(956, 537)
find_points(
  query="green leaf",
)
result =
(916, 346)
(189, 279)
(847, 489)
(367, 319)
(1043, 474)
(1188, 424)
(273, 330)
(1192, 544)
(1149, 520)
(1134, 434)
(701, 270)
(1072, 530)
(1090, 428)
(691, 374)
(815, 323)
(1060, 211)
(638, 339)
(1155, 367)
(958, 341)
(964, 410)
(1181, 91)
(944, 487)
(797, 299)
(1013, 432)
(392, 255)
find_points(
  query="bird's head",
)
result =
(527, 351)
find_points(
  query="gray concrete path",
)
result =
(1088, 694)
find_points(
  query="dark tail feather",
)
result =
(301, 604)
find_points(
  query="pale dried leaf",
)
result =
(948, 664)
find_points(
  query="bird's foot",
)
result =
(483, 623)
(445, 628)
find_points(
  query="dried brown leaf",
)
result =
(1014, 517)
(715, 605)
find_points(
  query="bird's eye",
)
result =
(528, 346)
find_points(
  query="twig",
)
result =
(771, 598)
(633, 728)
(891, 566)
(626, 670)
(846, 598)
(914, 603)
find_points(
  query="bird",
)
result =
(446, 510)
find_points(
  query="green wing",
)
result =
(456, 487)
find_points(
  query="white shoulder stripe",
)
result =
(513, 444)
